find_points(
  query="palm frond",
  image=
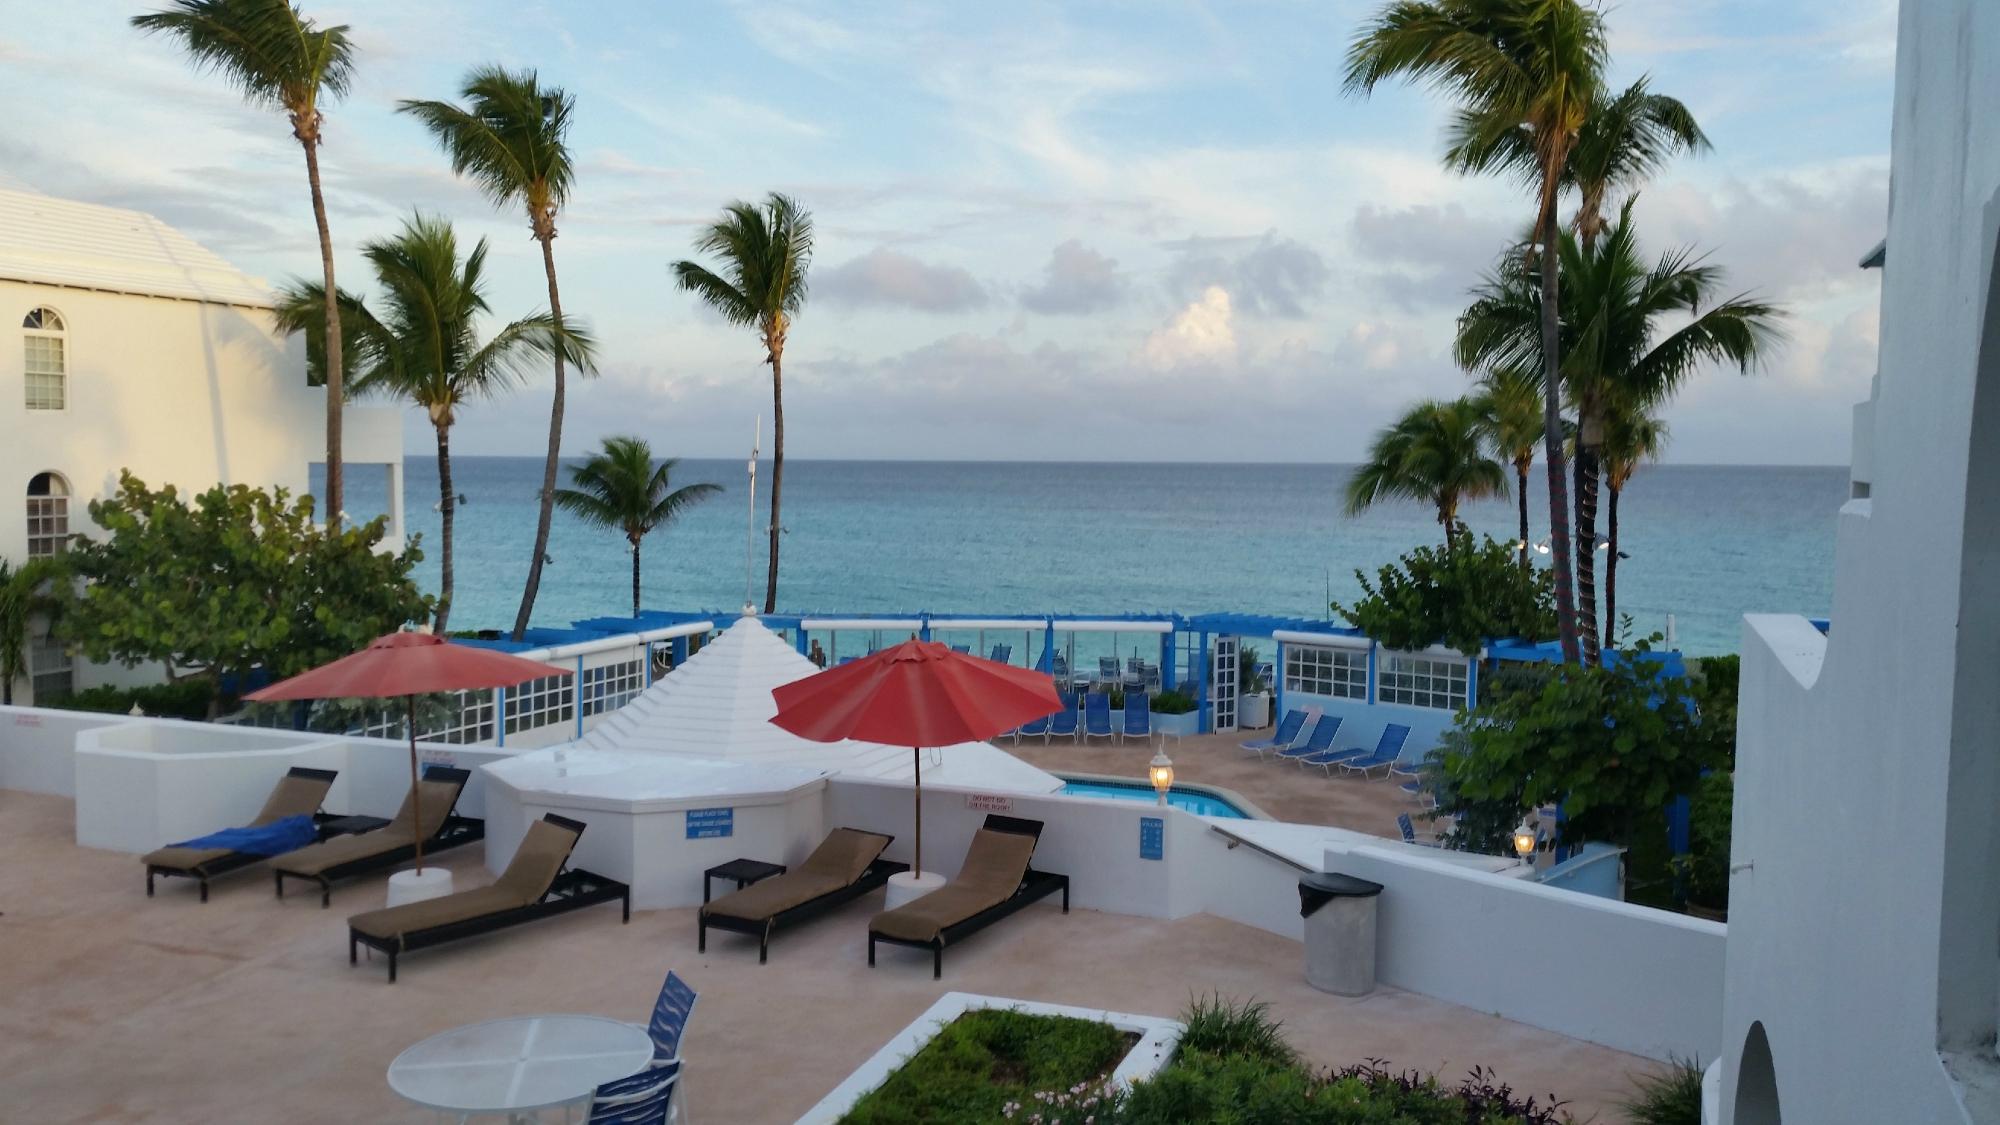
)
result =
(510, 138)
(269, 50)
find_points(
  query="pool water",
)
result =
(1198, 801)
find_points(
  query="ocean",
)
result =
(1707, 543)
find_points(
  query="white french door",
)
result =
(1222, 682)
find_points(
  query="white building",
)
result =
(1863, 964)
(132, 347)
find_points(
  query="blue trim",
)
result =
(1372, 686)
(576, 696)
(1201, 672)
(1278, 682)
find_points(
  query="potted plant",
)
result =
(1175, 712)
(1253, 702)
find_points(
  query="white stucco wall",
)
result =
(1863, 913)
(180, 392)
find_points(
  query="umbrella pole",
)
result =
(416, 791)
(917, 774)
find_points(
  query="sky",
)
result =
(1109, 231)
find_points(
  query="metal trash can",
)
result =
(1340, 932)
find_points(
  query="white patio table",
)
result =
(518, 1066)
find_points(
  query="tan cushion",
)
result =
(769, 897)
(395, 921)
(183, 859)
(294, 796)
(438, 798)
(845, 854)
(994, 867)
(537, 861)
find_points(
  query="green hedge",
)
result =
(188, 699)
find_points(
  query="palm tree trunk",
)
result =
(1521, 478)
(777, 471)
(447, 510)
(1552, 433)
(1611, 573)
(1586, 544)
(635, 578)
(335, 394)
(549, 466)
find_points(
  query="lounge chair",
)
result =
(966, 649)
(1409, 831)
(344, 857)
(1033, 728)
(994, 882)
(1286, 734)
(1107, 670)
(1386, 751)
(645, 1098)
(1097, 716)
(299, 793)
(1062, 723)
(1001, 654)
(538, 883)
(671, 1012)
(845, 866)
(1424, 795)
(1317, 744)
(1138, 717)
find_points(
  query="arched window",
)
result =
(47, 368)
(48, 515)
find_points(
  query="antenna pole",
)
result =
(750, 530)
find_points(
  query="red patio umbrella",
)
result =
(917, 694)
(408, 665)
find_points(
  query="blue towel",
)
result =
(275, 838)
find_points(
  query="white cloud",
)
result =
(888, 277)
(1077, 281)
(1203, 332)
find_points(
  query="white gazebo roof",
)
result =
(63, 242)
(718, 705)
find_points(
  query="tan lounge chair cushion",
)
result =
(391, 923)
(537, 861)
(994, 867)
(292, 796)
(841, 859)
(438, 797)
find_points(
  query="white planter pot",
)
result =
(1254, 710)
(1183, 725)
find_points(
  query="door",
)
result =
(1222, 684)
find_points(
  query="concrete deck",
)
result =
(1282, 789)
(119, 1009)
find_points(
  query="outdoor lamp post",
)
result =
(1161, 770)
(1524, 843)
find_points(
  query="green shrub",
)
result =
(985, 1061)
(1173, 703)
(1673, 1098)
(1462, 597)
(1705, 869)
(1220, 1027)
(184, 699)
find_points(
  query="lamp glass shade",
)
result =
(1161, 770)
(1524, 841)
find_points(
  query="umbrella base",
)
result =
(904, 887)
(416, 886)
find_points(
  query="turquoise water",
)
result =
(1707, 544)
(1190, 800)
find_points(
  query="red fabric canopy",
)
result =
(919, 693)
(408, 664)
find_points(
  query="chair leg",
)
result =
(204, 890)
(871, 950)
(351, 958)
(628, 906)
(278, 877)
(149, 882)
(701, 935)
(325, 894)
(392, 966)
(937, 963)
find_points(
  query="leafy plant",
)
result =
(989, 1060)
(1461, 596)
(188, 699)
(1613, 744)
(1221, 1027)
(1672, 1098)
(233, 580)
(1174, 702)
(27, 595)
(1248, 679)
(622, 488)
(1704, 871)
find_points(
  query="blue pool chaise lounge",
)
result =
(1286, 734)
(1063, 723)
(1097, 716)
(1318, 742)
(1385, 754)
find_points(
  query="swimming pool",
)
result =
(1199, 801)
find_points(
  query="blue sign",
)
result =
(1152, 838)
(710, 824)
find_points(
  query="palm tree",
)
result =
(1510, 406)
(764, 255)
(1630, 437)
(511, 139)
(278, 58)
(1616, 307)
(1434, 453)
(1512, 65)
(1625, 139)
(622, 488)
(424, 346)
(24, 596)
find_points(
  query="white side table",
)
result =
(519, 1066)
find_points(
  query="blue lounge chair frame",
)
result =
(1317, 744)
(1387, 750)
(1289, 729)
(1097, 716)
(1138, 717)
(1409, 831)
(1063, 722)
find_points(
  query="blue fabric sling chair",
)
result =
(1286, 734)
(1317, 744)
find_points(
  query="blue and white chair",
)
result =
(1317, 744)
(1409, 831)
(1138, 720)
(1062, 724)
(1097, 716)
(1282, 738)
(1001, 654)
(670, 1018)
(645, 1098)
(1033, 728)
(1387, 750)
(966, 649)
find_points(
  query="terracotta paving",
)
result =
(119, 1009)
